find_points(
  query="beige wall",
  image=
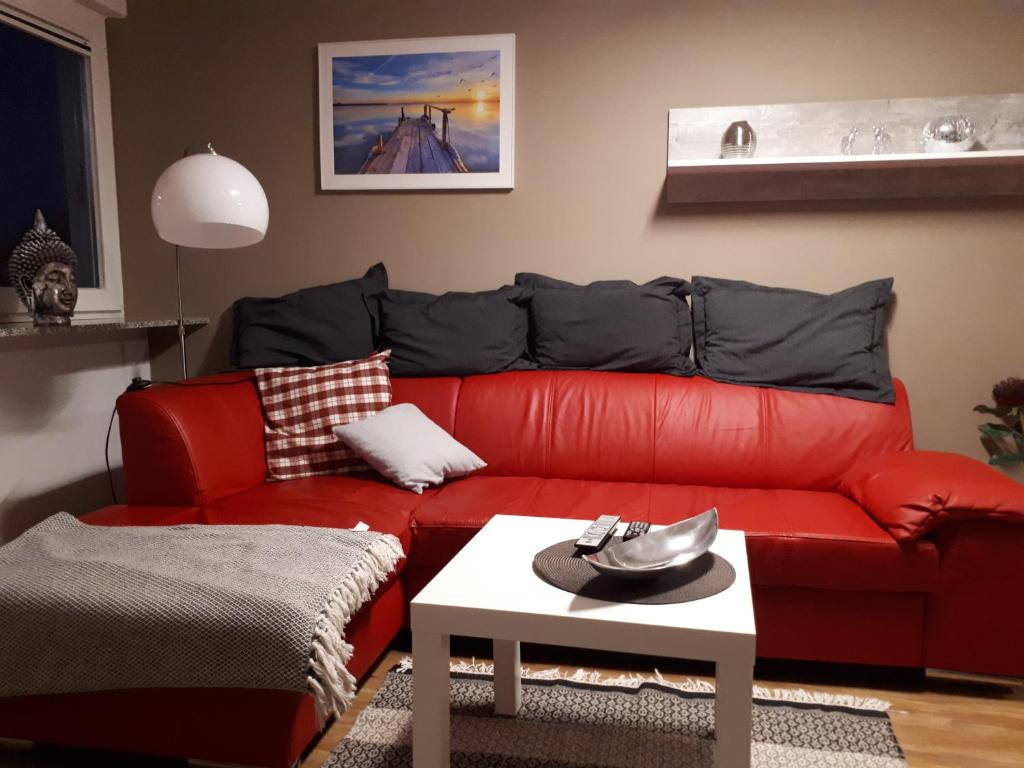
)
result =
(595, 81)
(56, 396)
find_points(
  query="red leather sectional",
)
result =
(830, 583)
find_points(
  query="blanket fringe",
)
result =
(332, 685)
(689, 685)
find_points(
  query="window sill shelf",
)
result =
(21, 330)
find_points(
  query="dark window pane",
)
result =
(45, 147)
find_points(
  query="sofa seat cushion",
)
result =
(794, 538)
(807, 538)
(444, 524)
(329, 501)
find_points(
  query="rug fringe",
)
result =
(332, 685)
(822, 698)
(689, 685)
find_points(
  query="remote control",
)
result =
(636, 528)
(597, 535)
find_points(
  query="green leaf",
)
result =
(997, 411)
(996, 431)
(1006, 459)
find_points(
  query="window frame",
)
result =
(85, 21)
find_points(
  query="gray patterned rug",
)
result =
(582, 722)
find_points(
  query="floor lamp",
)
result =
(207, 201)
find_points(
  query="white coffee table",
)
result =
(490, 590)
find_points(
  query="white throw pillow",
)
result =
(409, 449)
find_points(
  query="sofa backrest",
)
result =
(638, 427)
(192, 443)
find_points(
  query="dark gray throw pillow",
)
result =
(610, 325)
(778, 337)
(455, 334)
(314, 326)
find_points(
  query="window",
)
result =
(56, 143)
(46, 146)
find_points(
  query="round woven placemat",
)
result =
(561, 567)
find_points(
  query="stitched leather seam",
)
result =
(654, 440)
(762, 420)
(821, 537)
(457, 409)
(748, 534)
(550, 437)
(536, 492)
(458, 526)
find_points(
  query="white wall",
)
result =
(56, 395)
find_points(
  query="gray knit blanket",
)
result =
(90, 608)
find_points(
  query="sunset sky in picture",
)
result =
(461, 76)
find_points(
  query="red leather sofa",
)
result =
(830, 583)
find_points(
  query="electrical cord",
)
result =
(139, 383)
(106, 454)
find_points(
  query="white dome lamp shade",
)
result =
(207, 201)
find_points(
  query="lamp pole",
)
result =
(181, 317)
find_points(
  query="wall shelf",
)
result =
(962, 174)
(795, 157)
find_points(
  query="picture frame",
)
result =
(420, 113)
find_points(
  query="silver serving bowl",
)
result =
(652, 554)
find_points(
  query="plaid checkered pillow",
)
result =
(301, 405)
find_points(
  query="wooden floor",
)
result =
(941, 722)
(414, 147)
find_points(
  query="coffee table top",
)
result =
(489, 589)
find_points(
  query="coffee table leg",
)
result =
(431, 700)
(508, 692)
(733, 714)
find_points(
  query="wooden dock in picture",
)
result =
(415, 147)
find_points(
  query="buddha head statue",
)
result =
(42, 271)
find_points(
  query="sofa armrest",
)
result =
(912, 492)
(191, 443)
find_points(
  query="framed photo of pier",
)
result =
(425, 113)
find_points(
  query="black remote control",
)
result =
(636, 528)
(597, 535)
